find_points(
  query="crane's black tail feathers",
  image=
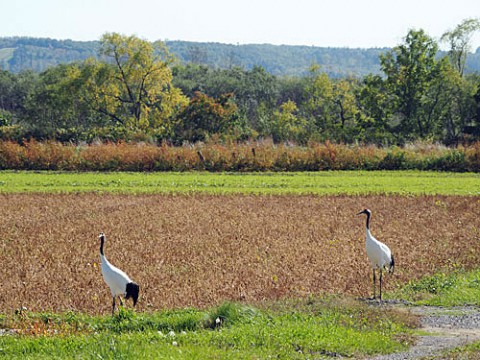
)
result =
(132, 292)
(392, 265)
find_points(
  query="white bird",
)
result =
(378, 253)
(119, 282)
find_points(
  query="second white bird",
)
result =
(120, 283)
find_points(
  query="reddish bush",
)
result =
(248, 156)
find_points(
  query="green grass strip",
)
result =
(445, 288)
(302, 329)
(318, 183)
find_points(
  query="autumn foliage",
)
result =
(233, 156)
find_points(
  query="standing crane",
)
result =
(119, 282)
(378, 253)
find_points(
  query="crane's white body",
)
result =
(378, 253)
(115, 278)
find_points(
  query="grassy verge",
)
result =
(290, 329)
(455, 288)
(293, 329)
(320, 183)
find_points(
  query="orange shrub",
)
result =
(50, 156)
(249, 156)
(12, 155)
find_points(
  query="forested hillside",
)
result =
(130, 89)
(17, 54)
(280, 60)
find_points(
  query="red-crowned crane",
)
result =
(119, 282)
(378, 253)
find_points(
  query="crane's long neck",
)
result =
(368, 221)
(102, 240)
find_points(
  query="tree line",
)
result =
(136, 90)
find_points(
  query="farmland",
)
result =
(195, 240)
(199, 250)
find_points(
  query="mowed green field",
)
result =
(318, 183)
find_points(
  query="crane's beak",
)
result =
(361, 212)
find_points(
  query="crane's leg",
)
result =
(374, 281)
(113, 306)
(380, 284)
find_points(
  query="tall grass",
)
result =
(243, 157)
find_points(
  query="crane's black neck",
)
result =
(368, 220)
(102, 240)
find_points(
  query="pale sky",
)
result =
(325, 23)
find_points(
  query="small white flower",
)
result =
(160, 333)
(171, 333)
(174, 343)
(184, 332)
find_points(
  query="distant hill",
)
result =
(37, 54)
(280, 59)
(17, 54)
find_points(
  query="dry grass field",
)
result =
(201, 250)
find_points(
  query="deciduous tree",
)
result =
(459, 41)
(206, 116)
(288, 125)
(410, 69)
(134, 86)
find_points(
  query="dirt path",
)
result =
(447, 328)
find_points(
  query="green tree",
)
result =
(345, 107)
(191, 78)
(134, 87)
(459, 41)
(55, 107)
(259, 87)
(441, 105)
(255, 91)
(455, 99)
(287, 124)
(206, 116)
(410, 69)
(375, 111)
(15, 90)
(318, 99)
(331, 106)
(7, 86)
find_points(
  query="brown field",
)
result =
(201, 250)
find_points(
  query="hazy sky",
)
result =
(334, 23)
